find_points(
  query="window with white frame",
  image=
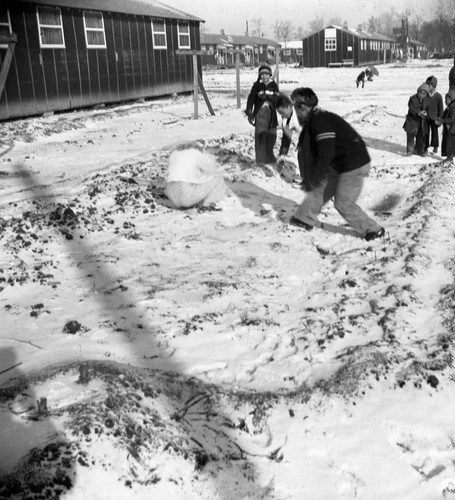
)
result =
(330, 44)
(50, 27)
(95, 37)
(330, 39)
(184, 35)
(5, 25)
(159, 34)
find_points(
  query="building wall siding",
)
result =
(57, 79)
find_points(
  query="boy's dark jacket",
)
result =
(435, 106)
(448, 118)
(448, 131)
(413, 120)
(341, 147)
(258, 96)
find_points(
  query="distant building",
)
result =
(418, 50)
(219, 49)
(343, 46)
(292, 52)
(75, 53)
(408, 48)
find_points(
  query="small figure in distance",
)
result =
(361, 79)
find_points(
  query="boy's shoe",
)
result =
(424, 154)
(299, 223)
(372, 235)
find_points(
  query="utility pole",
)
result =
(405, 33)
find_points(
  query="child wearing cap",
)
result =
(261, 112)
(435, 110)
(448, 127)
(360, 79)
(416, 123)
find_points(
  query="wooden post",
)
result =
(237, 76)
(277, 68)
(195, 86)
(197, 80)
(11, 40)
(204, 95)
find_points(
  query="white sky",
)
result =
(231, 15)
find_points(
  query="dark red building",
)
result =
(343, 46)
(75, 53)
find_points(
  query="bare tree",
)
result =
(336, 21)
(316, 24)
(300, 32)
(258, 26)
(283, 30)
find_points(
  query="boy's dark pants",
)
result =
(264, 136)
(416, 144)
(434, 143)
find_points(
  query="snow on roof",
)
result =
(151, 8)
(215, 38)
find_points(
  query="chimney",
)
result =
(222, 32)
(246, 32)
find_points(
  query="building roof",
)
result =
(359, 33)
(416, 42)
(293, 44)
(221, 39)
(364, 34)
(152, 8)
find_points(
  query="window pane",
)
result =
(4, 30)
(160, 40)
(93, 20)
(184, 28)
(51, 36)
(4, 16)
(158, 26)
(49, 16)
(95, 38)
(184, 41)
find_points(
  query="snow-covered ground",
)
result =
(150, 352)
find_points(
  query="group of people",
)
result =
(333, 158)
(426, 114)
(366, 73)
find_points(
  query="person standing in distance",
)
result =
(333, 161)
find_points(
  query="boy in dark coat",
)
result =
(452, 77)
(435, 110)
(448, 124)
(260, 110)
(416, 123)
(333, 161)
(361, 79)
